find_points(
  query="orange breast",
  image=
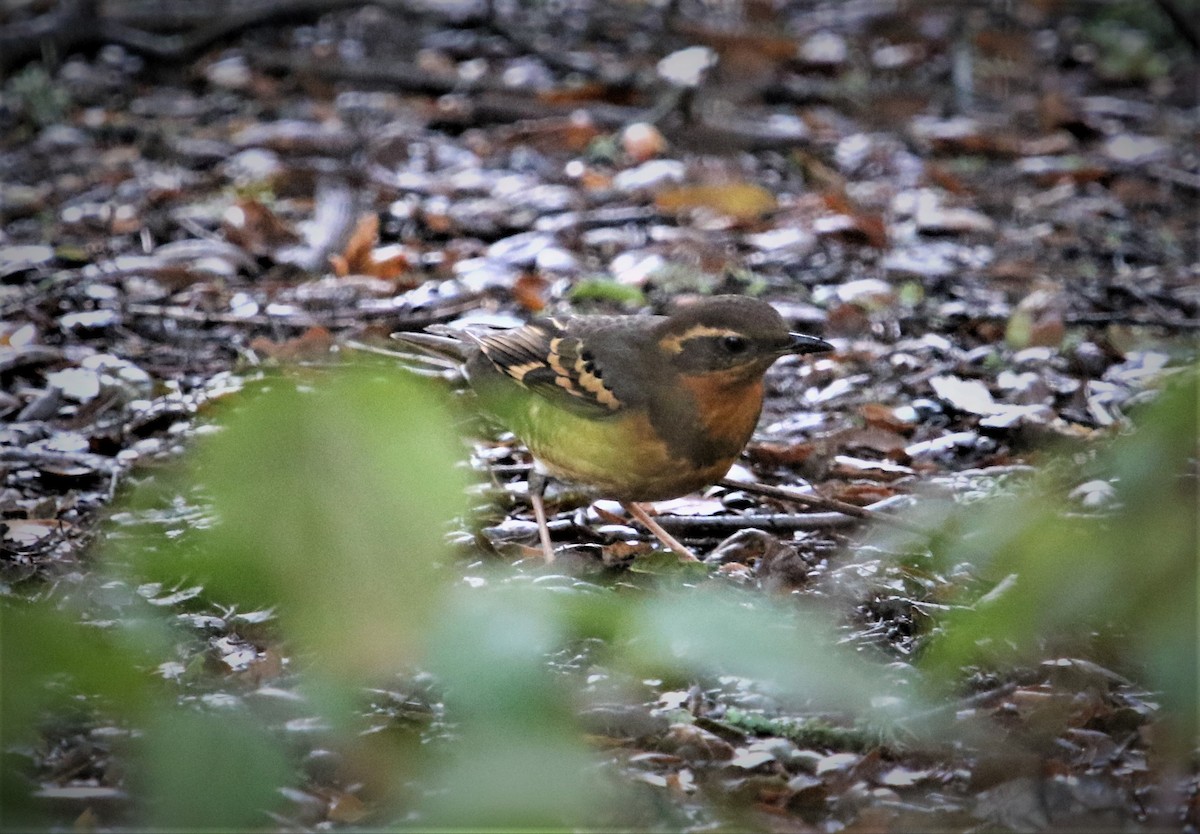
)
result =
(729, 408)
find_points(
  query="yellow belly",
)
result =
(618, 457)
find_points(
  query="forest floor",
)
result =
(993, 216)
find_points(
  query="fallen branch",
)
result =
(809, 499)
(402, 319)
(78, 24)
(1103, 319)
(724, 525)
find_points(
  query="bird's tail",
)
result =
(426, 354)
(433, 345)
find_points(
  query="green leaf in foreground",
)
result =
(209, 771)
(333, 500)
(1124, 581)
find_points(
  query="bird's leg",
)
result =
(537, 488)
(654, 527)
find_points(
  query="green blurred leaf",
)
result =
(209, 772)
(490, 653)
(333, 499)
(42, 646)
(520, 761)
(742, 201)
(667, 565)
(1126, 581)
(606, 289)
(789, 651)
(511, 780)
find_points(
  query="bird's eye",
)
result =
(734, 344)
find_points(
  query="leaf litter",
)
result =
(993, 280)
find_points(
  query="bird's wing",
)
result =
(543, 357)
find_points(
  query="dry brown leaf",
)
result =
(529, 291)
(847, 320)
(824, 178)
(553, 135)
(767, 43)
(585, 94)
(741, 201)
(357, 253)
(254, 227)
(874, 438)
(594, 180)
(862, 495)
(942, 177)
(845, 466)
(313, 343)
(881, 416)
(850, 223)
(266, 667)
(346, 807)
(780, 454)
(362, 257)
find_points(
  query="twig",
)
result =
(179, 313)
(1131, 318)
(79, 23)
(723, 525)
(814, 500)
(1183, 179)
(404, 320)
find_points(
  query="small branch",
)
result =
(820, 501)
(78, 24)
(1131, 318)
(724, 525)
(404, 320)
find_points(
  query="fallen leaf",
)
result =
(862, 495)
(362, 257)
(902, 777)
(346, 807)
(969, 395)
(313, 343)
(887, 418)
(529, 290)
(837, 763)
(25, 532)
(876, 470)
(255, 228)
(752, 759)
(780, 454)
(740, 200)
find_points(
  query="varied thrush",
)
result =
(634, 408)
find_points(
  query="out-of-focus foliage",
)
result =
(332, 496)
(207, 770)
(39, 99)
(1143, 27)
(1122, 582)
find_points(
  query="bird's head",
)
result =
(731, 336)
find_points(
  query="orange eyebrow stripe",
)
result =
(674, 344)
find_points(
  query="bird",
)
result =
(636, 408)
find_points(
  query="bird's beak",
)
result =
(807, 344)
